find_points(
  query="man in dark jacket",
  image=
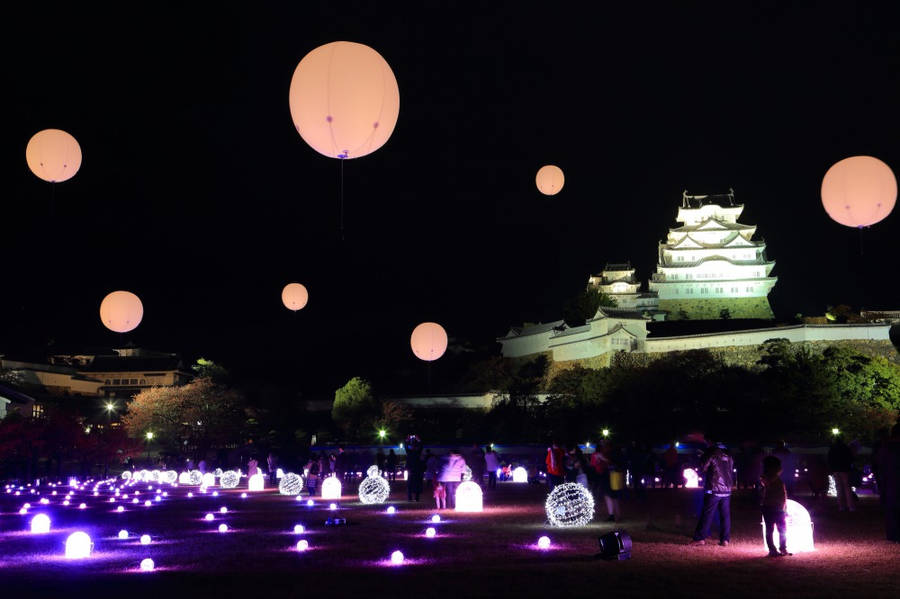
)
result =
(717, 469)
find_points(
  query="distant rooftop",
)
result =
(696, 201)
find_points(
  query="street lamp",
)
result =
(110, 406)
(382, 433)
(149, 435)
(605, 432)
(835, 431)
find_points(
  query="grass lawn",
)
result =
(488, 554)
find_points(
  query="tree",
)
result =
(210, 370)
(725, 314)
(200, 415)
(355, 407)
(584, 306)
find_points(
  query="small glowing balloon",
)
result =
(147, 564)
(569, 504)
(123, 534)
(332, 506)
(430, 532)
(120, 509)
(298, 529)
(302, 545)
(397, 557)
(436, 518)
(859, 191)
(290, 484)
(53, 155)
(691, 478)
(209, 517)
(294, 296)
(122, 311)
(374, 489)
(469, 497)
(391, 510)
(223, 510)
(544, 543)
(145, 539)
(550, 180)
(223, 527)
(229, 479)
(799, 529)
(331, 488)
(78, 545)
(344, 100)
(257, 482)
(40, 524)
(428, 341)
(519, 475)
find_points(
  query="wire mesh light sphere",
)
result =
(208, 479)
(428, 341)
(53, 155)
(799, 529)
(374, 489)
(290, 484)
(196, 477)
(467, 473)
(859, 191)
(184, 478)
(550, 180)
(121, 311)
(469, 497)
(331, 488)
(569, 504)
(294, 296)
(218, 472)
(143, 476)
(344, 100)
(230, 479)
(154, 476)
(169, 477)
(373, 471)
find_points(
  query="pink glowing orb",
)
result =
(428, 341)
(302, 545)
(294, 297)
(430, 532)
(397, 557)
(692, 479)
(799, 529)
(859, 191)
(544, 543)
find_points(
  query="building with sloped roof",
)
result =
(711, 263)
(619, 282)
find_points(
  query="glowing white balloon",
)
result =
(519, 475)
(147, 564)
(78, 545)
(331, 488)
(40, 524)
(799, 529)
(469, 497)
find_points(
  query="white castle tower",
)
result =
(711, 264)
(619, 282)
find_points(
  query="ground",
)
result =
(488, 554)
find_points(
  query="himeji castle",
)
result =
(711, 263)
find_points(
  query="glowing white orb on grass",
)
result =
(196, 478)
(544, 542)
(223, 527)
(310, 503)
(519, 475)
(397, 557)
(257, 482)
(230, 479)
(243, 496)
(40, 524)
(374, 489)
(184, 478)
(147, 564)
(279, 473)
(799, 529)
(391, 510)
(148, 503)
(208, 480)
(298, 529)
(78, 545)
(145, 539)
(123, 534)
(82, 506)
(436, 518)
(290, 484)
(332, 506)
(302, 545)
(120, 509)
(469, 497)
(430, 532)
(331, 488)
(691, 478)
(209, 517)
(223, 510)
(569, 504)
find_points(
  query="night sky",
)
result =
(197, 193)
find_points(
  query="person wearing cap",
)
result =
(717, 469)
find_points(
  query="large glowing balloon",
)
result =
(859, 191)
(344, 100)
(294, 296)
(121, 311)
(429, 341)
(550, 180)
(53, 155)
(799, 529)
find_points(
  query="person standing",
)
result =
(492, 463)
(391, 463)
(774, 505)
(415, 466)
(452, 467)
(252, 467)
(671, 476)
(555, 465)
(272, 462)
(839, 461)
(718, 479)
(476, 463)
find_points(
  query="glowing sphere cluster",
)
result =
(344, 100)
(569, 504)
(469, 497)
(859, 191)
(374, 489)
(331, 488)
(230, 479)
(208, 480)
(290, 484)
